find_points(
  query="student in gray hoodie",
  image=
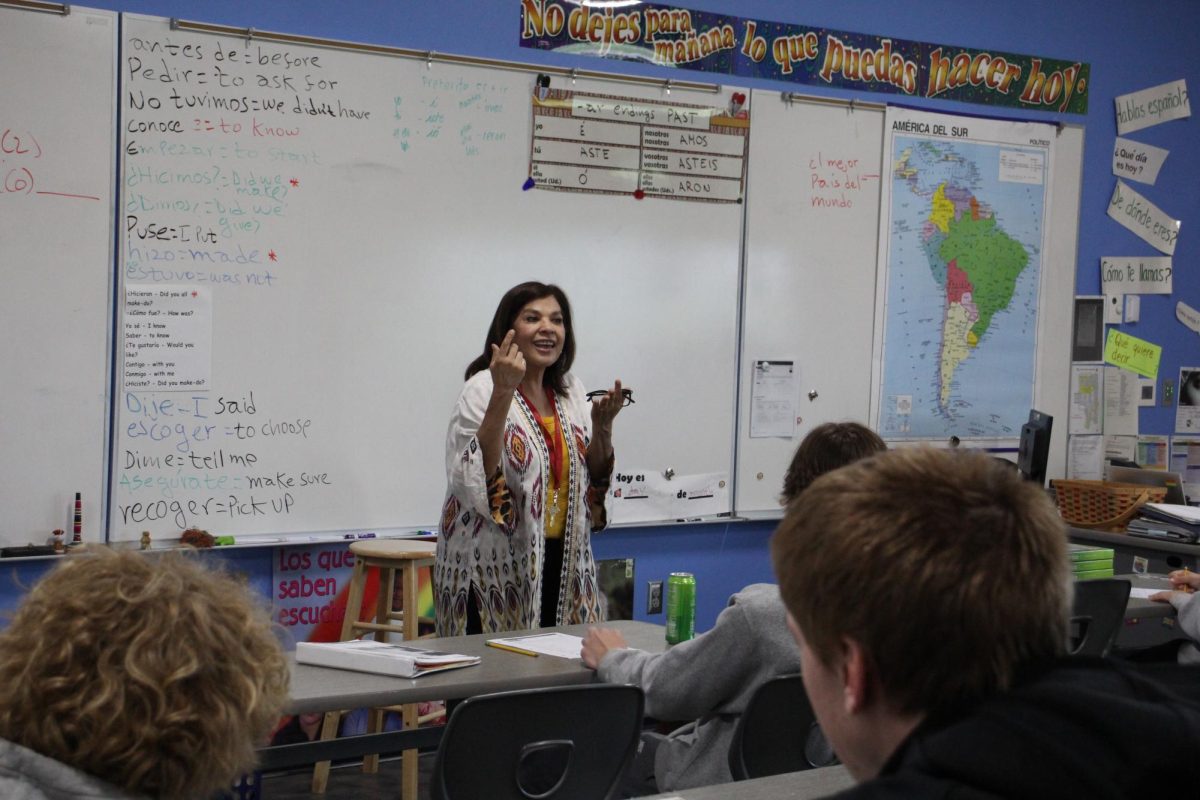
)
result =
(710, 679)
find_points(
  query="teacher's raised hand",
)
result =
(507, 368)
(605, 409)
(508, 365)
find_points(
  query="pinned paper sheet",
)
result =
(1151, 106)
(1147, 396)
(1085, 458)
(1120, 403)
(773, 399)
(1132, 353)
(1153, 451)
(1185, 460)
(1136, 161)
(1149, 222)
(1187, 411)
(168, 338)
(1188, 316)
(1122, 447)
(647, 496)
(1133, 275)
(1087, 399)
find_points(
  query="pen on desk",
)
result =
(511, 649)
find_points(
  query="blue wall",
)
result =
(1130, 46)
(724, 557)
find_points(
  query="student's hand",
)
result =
(507, 366)
(1184, 580)
(1163, 597)
(598, 642)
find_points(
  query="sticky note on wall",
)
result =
(1132, 353)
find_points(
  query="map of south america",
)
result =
(962, 242)
(978, 264)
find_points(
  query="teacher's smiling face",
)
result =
(540, 332)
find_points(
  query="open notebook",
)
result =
(364, 655)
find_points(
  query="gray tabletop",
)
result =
(322, 689)
(1147, 623)
(1141, 608)
(793, 786)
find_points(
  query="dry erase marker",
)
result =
(511, 649)
(77, 526)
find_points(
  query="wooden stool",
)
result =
(389, 556)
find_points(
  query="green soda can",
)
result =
(681, 607)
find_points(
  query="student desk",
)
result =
(1147, 623)
(324, 689)
(810, 783)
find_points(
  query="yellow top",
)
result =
(556, 494)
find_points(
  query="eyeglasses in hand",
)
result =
(626, 394)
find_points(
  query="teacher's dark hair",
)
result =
(511, 304)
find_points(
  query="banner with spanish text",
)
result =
(736, 46)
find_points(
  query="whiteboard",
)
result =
(811, 278)
(811, 226)
(351, 221)
(57, 142)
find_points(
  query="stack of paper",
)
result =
(1089, 562)
(364, 655)
(561, 645)
(1167, 521)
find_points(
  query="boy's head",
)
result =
(918, 581)
(155, 674)
(825, 448)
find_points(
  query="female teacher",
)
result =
(527, 465)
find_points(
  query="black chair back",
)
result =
(1097, 614)
(778, 733)
(561, 743)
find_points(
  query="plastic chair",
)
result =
(778, 732)
(560, 743)
(1097, 614)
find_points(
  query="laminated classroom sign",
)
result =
(1152, 106)
(1147, 221)
(1136, 275)
(1137, 161)
(1131, 353)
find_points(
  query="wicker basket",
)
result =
(1102, 505)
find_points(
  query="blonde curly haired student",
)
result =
(125, 675)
